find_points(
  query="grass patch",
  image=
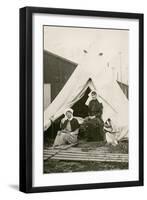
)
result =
(58, 166)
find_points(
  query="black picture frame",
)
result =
(26, 97)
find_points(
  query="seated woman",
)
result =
(94, 123)
(110, 133)
(69, 130)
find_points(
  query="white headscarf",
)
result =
(90, 97)
(68, 109)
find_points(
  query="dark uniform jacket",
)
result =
(74, 124)
(95, 108)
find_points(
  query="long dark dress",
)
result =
(95, 108)
(94, 123)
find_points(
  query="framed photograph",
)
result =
(81, 99)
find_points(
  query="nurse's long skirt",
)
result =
(63, 138)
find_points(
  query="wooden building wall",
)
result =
(57, 71)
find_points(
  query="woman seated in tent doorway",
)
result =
(94, 123)
(69, 129)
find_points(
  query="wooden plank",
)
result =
(45, 158)
(91, 156)
(87, 153)
(81, 152)
(91, 153)
(69, 150)
(106, 157)
(77, 148)
(88, 159)
(91, 160)
(78, 158)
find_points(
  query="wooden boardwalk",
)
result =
(99, 154)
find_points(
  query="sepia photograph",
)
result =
(85, 99)
(81, 99)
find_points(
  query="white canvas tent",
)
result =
(92, 72)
